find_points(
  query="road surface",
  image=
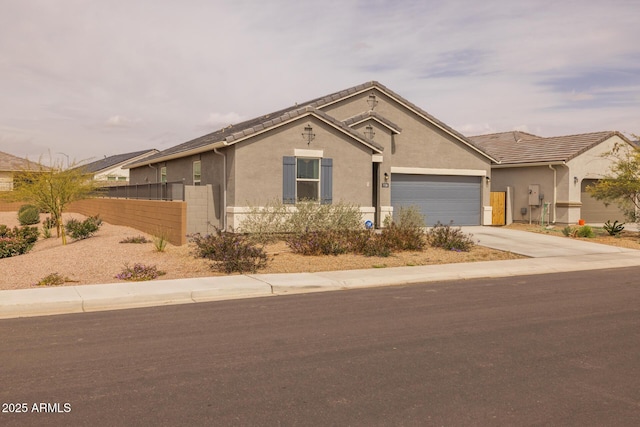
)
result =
(559, 349)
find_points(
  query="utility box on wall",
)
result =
(534, 195)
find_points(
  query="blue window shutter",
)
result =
(288, 180)
(326, 181)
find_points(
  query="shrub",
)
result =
(585, 231)
(406, 231)
(49, 222)
(83, 229)
(447, 237)
(264, 224)
(139, 273)
(135, 239)
(311, 216)
(328, 242)
(613, 229)
(160, 241)
(53, 279)
(17, 241)
(230, 252)
(28, 215)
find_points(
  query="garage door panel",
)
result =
(440, 198)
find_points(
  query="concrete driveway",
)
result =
(537, 245)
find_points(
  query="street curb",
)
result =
(112, 296)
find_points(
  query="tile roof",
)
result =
(232, 133)
(372, 114)
(112, 161)
(11, 163)
(522, 148)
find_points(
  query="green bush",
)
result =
(613, 229)
(28, 215)
(585, 231)
(83, 229)
(17, 241)
(49, 222)
(450, 238)
(265, 223)
(230, 252)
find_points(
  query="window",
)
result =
(307, 179)
(197, 167)
(163, 174)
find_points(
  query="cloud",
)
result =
(219, 120)
(119, 121)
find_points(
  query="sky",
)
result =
(84, 79)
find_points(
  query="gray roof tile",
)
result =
(522, 148)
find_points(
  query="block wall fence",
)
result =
(150, 216)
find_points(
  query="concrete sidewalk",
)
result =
(550, 254)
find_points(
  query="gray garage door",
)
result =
(595, 211)
(440, 198)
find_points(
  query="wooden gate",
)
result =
(498, 200)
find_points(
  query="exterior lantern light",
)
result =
(308, 134)
(368, 132)
(372, 101)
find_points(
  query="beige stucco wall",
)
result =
(419, 145)
(588, 165)
(256, 168)
(6, 181)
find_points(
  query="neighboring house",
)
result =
(546, 178)
(9, 166)
(110, 171)
(365, 145)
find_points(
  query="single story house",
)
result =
(365, 145)
(110, 170)
(9, 166)
(546, 178)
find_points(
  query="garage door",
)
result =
(595, 211)
(442, 198)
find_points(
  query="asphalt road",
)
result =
(559, 349)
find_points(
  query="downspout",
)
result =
(555, 191)
(224, 188)
(154, 167)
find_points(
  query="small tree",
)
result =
(622, 184)
(52, 189)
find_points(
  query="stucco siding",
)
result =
(257, 168)
(420, 144)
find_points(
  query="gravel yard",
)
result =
(99, 258)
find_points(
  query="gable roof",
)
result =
(240, 131)
(363, 117)
(11, 163)
(521, 148)
(112, 161)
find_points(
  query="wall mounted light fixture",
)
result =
(372, 101)
(368, 132)
(488, 179)
(308, 134)
(386, 177)
(575, 180)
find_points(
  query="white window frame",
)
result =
(163, 174)
(319, 160)
(198, 180)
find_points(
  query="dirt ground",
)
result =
(100, 258)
